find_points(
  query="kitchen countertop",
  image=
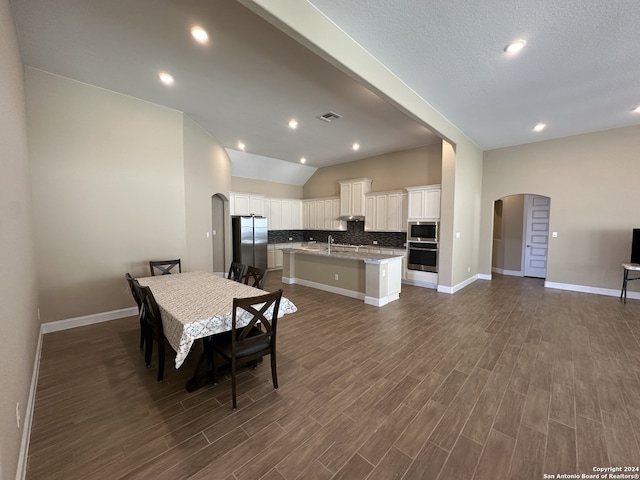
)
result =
(347, 255)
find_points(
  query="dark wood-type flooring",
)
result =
(503, 380)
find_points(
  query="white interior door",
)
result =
(536, 235)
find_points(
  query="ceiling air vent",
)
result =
(329, 116)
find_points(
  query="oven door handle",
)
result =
(424, 249)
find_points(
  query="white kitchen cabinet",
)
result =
(352, 194)
(321, 214)
(274, 214)
(295, 214)
(283, 213)
(337, 224)
(385, 212)
(246, 204)
(424, 202)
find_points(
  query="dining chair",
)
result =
(237, 271)
(154, 330)
(164, 267)
(255, 277)
(134, 288)
(253, 341)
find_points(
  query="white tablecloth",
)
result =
(198, 304)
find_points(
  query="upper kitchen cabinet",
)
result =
(352, 194)
(283, 213)
(246, 204)
(385, 212)
(321, 214)
(424, 202)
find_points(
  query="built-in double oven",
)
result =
(422, 239)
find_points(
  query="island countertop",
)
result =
(348, 255)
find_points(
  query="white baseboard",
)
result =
(21, 471)
(610, 292)
(458, 287)
(512, 273)
(88, 319)
(484, 276)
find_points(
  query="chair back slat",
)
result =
(255, 277)
(164, 267)
(237, 271)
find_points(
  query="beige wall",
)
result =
(268, 189)
(307, 25)
(591, 180)
(206, 173)
(393, 171)
(18, 306)
(108, 192)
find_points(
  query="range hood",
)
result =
(351, 218)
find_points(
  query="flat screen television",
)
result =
(635, 246)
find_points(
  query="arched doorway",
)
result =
(521, 235)
(219, 233)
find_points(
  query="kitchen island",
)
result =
(372, 277)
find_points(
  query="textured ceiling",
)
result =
(579, 72)
(245, 85)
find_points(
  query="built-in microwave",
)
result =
(423, 231)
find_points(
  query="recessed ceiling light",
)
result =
(199, 34)
(515, 46)
(539, 127)
(636, 110)
(165, 78)
(241, 146)
(293, 124)
(303, 160)
(355, 146)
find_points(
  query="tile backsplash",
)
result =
(354, 235)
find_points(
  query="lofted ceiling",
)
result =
(244, 85)
(578, 72)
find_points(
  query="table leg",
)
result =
(203, 371)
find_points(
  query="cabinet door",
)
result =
(241, 204)
(320, 214)
(328, 214)
(275, 215)
(296, 215)
(271, 257)
(381, 213)
(357, 198)
(305, 215)
(279, 255)
(416, 203)
(337, 224)
(394, 212)
(255, 205)
(285, 210)
(345, 198)
(313, 224)
(432, 204)
(369, 213)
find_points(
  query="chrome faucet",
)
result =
(329, 242)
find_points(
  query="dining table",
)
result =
(198, 305)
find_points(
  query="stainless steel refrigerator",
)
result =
(249, 239)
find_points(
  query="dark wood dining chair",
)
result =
(253, 341)
(154, 330)
(237, 271)
(255, 277)
(134, 288)
(164, 267)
